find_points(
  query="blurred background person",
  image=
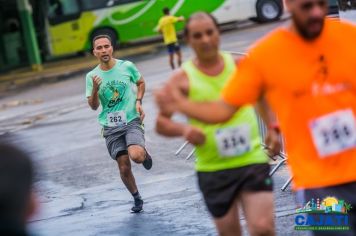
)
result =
(167, 29)
(17, 201)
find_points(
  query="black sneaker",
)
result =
(138, 207)
(147, 163)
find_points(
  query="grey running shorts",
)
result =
(118, 139)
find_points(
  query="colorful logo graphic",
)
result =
(325, 214)
(114, 92)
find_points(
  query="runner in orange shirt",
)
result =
(306, 71)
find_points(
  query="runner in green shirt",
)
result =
(111, 84)
(231, 165)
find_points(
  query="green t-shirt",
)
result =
(117, 93)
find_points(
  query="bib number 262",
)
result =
(115, 119)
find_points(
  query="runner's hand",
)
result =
(194, 135)
(139, 109)
(96, 82)
(273, 143)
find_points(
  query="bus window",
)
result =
(333, 9)
(95, 4)
(62, 10)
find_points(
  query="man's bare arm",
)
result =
(167, 127)
(141, 87)
(93, 100)
(207, 112)
(272, 138)
(265, 112)
(164, 123)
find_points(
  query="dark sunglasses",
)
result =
(307, 6)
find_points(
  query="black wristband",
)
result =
(139, 100)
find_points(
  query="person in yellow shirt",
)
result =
(167, 29)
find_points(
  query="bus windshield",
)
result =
(95, 4)
(60, 8)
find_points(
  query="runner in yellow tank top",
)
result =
(231, 166)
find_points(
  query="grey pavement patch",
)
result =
(13, 123)
(61, 206)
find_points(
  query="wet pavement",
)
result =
(78, 184)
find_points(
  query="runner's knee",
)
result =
(262, 226)
(137, 155)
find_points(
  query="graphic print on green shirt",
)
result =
(117, 93)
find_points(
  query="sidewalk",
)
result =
(65, 68)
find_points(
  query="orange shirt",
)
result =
(312, 88)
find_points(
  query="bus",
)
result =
(70, 25)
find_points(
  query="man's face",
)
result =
(308, 16)
(103, 50)
(203, 37)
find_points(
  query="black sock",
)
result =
(137, 196)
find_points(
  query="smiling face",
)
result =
(308, 16)
(103, 50)
(203, 36)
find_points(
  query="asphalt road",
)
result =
(77, 183)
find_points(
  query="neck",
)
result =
(293, 28)
(207, 62)
(108, 65)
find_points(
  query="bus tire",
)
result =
(269, 10)
(106, 31)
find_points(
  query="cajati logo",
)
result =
(328, 214)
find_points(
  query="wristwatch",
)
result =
(139, 100)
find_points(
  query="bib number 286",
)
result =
(334, 132)
(233, 141)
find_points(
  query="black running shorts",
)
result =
(220, 188)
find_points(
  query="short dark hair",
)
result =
(199, 15)
(16, 178)
(166, 11)
(101, 36)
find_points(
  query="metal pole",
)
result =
(287, 183)
(280, 163)
(181, 148)
(190, 154)
(29, 33)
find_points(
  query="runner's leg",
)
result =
(171, 60)
(126, 175)
(229, 224)
(137, 153)
(135, 140)
(179, 55)
(258, 210)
